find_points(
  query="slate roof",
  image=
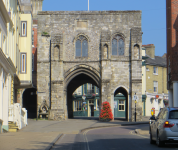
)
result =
(158, 61)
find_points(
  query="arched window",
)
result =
(117, 45)
(81, 46)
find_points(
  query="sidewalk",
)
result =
(43, 133)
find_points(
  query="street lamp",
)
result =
(83, 103)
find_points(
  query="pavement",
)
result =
(43, 134)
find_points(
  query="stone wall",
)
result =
(99, 28)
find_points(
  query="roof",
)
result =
(158, 61)
(148, 45)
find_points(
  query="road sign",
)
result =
(115, 104)
(135, 97)
(84, 102)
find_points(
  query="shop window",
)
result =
(121, 105)
(97, 104)
(77, 105)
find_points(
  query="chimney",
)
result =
(150, 50)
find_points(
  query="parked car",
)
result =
(164, 128)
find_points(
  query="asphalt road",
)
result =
(114, 138)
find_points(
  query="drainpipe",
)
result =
(130, 82)
(100, 79)
(50, 75)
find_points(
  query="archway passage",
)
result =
(121, 103)
(76, 82)
(30, 102)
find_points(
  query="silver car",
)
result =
(164, 127)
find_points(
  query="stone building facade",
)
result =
(108, 57)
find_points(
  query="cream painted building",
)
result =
(15, 60)
(154, 80)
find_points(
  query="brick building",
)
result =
(172, 51)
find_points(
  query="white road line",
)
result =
(139, 135)
(86, 140)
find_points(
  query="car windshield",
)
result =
(173, 114)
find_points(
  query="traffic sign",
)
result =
(135, 97)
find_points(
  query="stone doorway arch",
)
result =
(121, 103)
(80, 75)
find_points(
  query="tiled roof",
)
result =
(147, 45)
(158, 61)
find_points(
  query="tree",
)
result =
(106, 112)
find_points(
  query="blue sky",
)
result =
(153, 15)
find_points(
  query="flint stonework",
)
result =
(99, 28)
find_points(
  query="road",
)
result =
(113, 138)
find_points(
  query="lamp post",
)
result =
(83, 97)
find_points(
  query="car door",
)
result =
(156, 123)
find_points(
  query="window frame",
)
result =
(33, 61)
(117, 40)
(23, 35)
(155, 73)
(74, 105)
(121, 105)
(154, 87)
(81, 38)
(33, 38)
(23, 64)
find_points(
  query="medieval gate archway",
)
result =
(87, 47)
(82, 74)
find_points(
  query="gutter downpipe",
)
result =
(100, 79)
(50, 75)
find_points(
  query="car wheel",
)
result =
(158, 142)
(151, 140)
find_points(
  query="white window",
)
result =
(23, 28)
(33, 38)
(121, 105)
(155, 86)
(23, 62)
(155, 70)
(32, 62)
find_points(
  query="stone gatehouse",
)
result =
(98, 47)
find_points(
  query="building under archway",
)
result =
(82, 104)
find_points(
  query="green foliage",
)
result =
(45, 33)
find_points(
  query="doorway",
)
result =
(92, 110)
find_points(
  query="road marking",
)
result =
(139, 135)
(86, 140)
